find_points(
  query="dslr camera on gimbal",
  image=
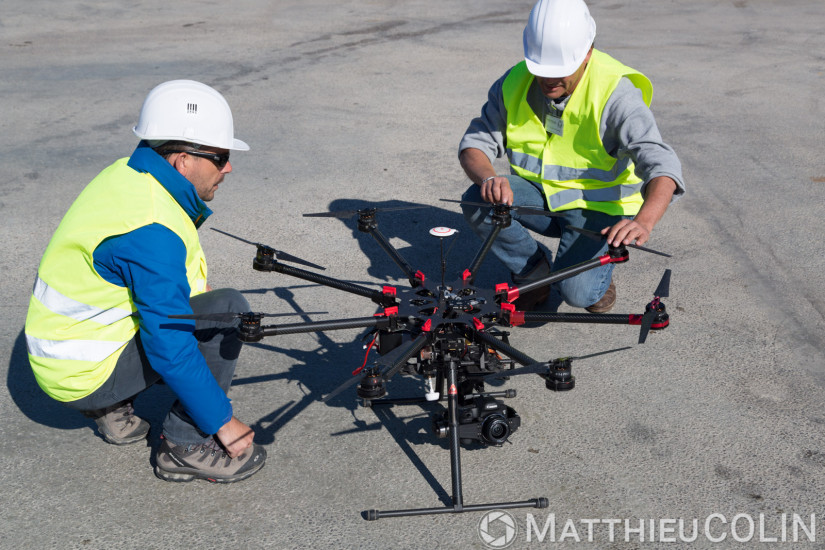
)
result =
(485, 420)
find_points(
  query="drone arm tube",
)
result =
(395, 255)
(320, 326)
(374, 295)
(614, 256)
(503, 347)
(598, 318)
(482, 252)
(414, 349)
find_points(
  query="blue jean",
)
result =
(520, 252)
(217, 341)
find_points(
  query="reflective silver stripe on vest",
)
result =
(615, 193)
(524, 161)
(565, 173)
(72, 350)
(63, 305)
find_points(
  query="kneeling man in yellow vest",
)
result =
(124, 258)
(581, 141)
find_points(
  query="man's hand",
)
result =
(658, 194)
(497, 191)
(625, 232)
(494, 189)
(235, 436)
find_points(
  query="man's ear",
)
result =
(182, 163)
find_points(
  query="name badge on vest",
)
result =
(554, 124)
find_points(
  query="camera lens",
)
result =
(495, 429)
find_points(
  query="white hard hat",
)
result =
(185, 110)
(557, 37)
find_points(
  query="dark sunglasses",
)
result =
(220, 159)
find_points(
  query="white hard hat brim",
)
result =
(237, 144)
(552, 71)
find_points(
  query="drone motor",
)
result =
(371, 385)
(560, 377)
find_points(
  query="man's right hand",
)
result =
(497, 191)
(235, 436)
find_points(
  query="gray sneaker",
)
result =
(118, 424)
(207, 461)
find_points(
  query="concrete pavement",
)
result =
(718, 419)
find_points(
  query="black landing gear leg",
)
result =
(455, 464)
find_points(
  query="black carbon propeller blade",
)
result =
(599, 237)
(283, 256)
(543, 367)
(280, 255)
(351, 213)
(227, 316)
(520, 209)
(588, 356)
(349, 383)
(647, 322)
(535, 368)
(662, 291)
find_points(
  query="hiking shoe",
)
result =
(606, 303)
(118, 424)
(206, 461)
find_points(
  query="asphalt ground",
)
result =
(718, 419)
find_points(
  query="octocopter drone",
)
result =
(451, 335)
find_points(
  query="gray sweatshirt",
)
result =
(627, 129)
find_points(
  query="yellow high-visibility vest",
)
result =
(78, 323)
(574, 169)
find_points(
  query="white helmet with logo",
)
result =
(185, 110)
(557, 37)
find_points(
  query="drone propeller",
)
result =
(510, 208)
(367, 211)
(543, 367)
(599, 237)
(228, 316)
(662, 291)
(350, 382)
(283, 256)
